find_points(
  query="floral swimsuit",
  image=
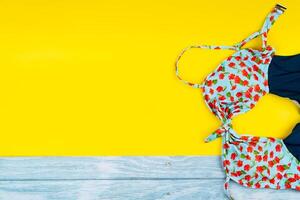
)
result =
(234, 88)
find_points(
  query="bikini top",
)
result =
(240, 80)
(234, 88)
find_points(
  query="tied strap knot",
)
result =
(221, 131)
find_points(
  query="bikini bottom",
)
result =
(284, 81)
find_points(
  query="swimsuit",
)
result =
(233, 88)
(284, 77)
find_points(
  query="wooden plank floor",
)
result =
(122, 178)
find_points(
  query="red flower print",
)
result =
(244, 137)
(209, 83)
(241, 148)
(242, 64)
(246, 58)
(248, 157)
(231, 76)
(278, 148)
(258, 158)
(226, 162)
(220, 68)
(257, 185)
(252, 105)
(233, 87)
(280, 168)
(266, 83)
(264, 178)
(255, 77)
(276, 159)
(249, 149)
(245, 82)
(231, 64)
(238, 58)
(287, 185)
(253, 58)
(298, 167)
(253, 143)
(221, 76)
(298, 187)
(222, 98)
(239, 94)
(247, 177)
(271, 163)
(233, 156)
(259, 148)
(255, 68)
(244, 72)
(279, 176)
(247, 167)
(206, 97)
(238, 173)
(260, 169)
(267, 61)
(271, 154)
(241, 182)
(226, 186)
(211, 91)
(237, 79)
(267, 186)
(231, 98)
(292, 180)
(272, 139)
(220, 89)
(278, 187)
(256, 97)
(226, 146)
(272, 18)
(233, 174)
(272, 181)
(256, 88)
(265, 157)
(240, 163)
(248, 94)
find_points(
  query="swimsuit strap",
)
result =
(214, 47)
(269, 21)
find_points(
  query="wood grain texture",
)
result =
(122, 178)
(109, 167)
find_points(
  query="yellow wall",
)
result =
(97, 77)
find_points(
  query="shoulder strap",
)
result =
(269, 21)
(198, 85)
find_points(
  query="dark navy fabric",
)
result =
(284, 81)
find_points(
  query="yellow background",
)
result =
(97, 77)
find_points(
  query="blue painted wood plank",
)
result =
(202, 189)
(40, 168)
(122, 178)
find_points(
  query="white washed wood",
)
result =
(207, 189)
(122, 178)
(40, 168)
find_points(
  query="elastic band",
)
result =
(214, 47)
(268, 23)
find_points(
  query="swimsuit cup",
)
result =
(234, 88)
